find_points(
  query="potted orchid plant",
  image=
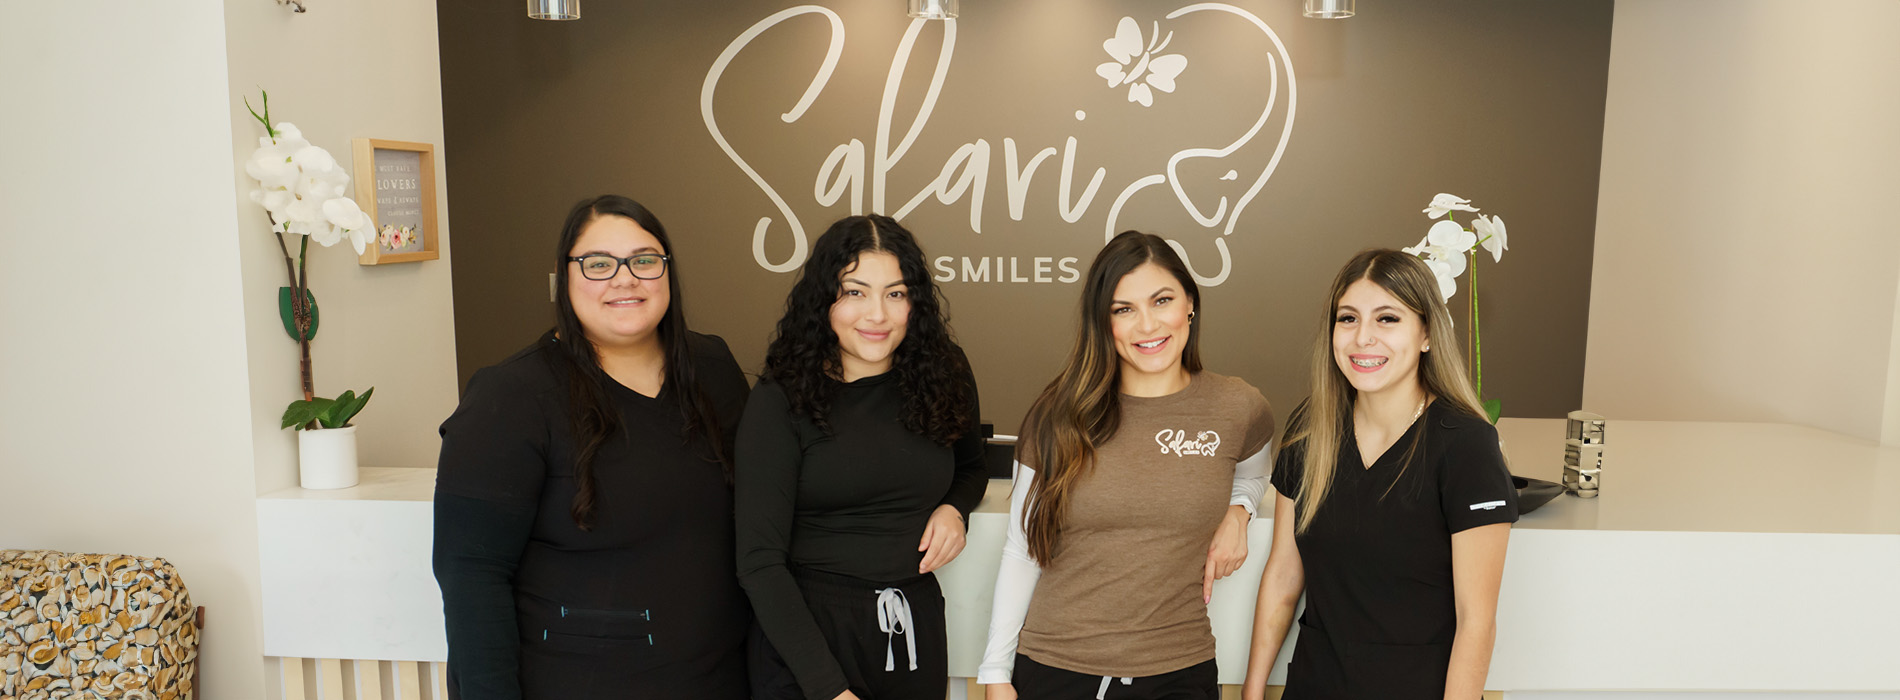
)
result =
(301, 188)
(1450, 249)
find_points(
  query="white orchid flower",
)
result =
(271, 167)
(313, 159)
(1449, 234)
(287, 130)
(278, 202)
(1447, 280)
(323, 185)
(1447, 202)
(305, 210)
(346, 217)
(1491, 231)
(325, 235)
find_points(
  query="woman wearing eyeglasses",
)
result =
(859, 462)
(583, 513)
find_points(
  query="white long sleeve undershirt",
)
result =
(1017, 576)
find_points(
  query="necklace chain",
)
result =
(1420, 411)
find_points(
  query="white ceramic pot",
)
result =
(326, 459)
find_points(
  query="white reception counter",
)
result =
(1721, 556)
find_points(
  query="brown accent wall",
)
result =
(1499, 101)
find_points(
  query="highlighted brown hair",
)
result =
(1081, 408)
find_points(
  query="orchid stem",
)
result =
(1477, 337)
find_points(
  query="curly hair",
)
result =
(804, 357)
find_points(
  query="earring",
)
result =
(1427, 348)
(1190, 315)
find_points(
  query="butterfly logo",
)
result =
(1150, 72)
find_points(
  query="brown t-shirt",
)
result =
(1122, 594)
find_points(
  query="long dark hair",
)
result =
(931, 370)
(591, 415)
(1081, 408)
(1321, 424)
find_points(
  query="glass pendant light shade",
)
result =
(554, 9)
(933, 9)
(1329, 9)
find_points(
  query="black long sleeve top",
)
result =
(645, 602)
(852, 502)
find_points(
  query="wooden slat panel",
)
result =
(440, 671)
(329, 679)
(293, 678)
(369, 680)
(408, 681)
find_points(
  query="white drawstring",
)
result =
(1099, 692)
(893, 618)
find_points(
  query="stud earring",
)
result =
(1190, 315)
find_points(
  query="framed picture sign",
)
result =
(395, 184)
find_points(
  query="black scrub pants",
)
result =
(1034, 681)
(846, 610)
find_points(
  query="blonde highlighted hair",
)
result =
(1327, 414)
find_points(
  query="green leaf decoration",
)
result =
(301, 413)
(290, 320)
(1492, 409)
(347, 406)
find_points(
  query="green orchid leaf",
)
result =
(301, 413)
(329, 415)
(348, 406)
(1492, 409)
(290, 319)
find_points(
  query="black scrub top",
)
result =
(647, 603)
(1380, 615)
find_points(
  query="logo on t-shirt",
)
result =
(1177, 442)
(1487, 505)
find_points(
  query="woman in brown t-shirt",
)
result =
(1136, 474)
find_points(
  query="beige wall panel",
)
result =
(362, 69)
(1746, 251)
(125, 425)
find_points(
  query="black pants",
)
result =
(846, 610)
(1034, 681)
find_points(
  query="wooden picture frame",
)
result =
(395, 185)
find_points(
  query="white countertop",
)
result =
(1720, 556)
(1715, 477)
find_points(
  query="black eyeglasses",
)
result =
(601, 266)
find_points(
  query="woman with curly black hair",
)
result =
(858, 462)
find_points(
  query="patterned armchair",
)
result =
(94, 626)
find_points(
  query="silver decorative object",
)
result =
(1328, 9)
(561, 10)
(932, 9)
(1583, 454)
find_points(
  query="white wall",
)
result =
(345, 69)
(124, 421)
(1747, 249)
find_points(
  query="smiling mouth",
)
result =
(874, 335)
(626, 302)
(1152, 344)
(1369, 362)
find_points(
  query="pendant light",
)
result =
(1329, 9)
(554, 9)
(933, 9)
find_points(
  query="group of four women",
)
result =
(617, 515)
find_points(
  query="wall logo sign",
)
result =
(1144, 63)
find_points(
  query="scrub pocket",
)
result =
(619, 637)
